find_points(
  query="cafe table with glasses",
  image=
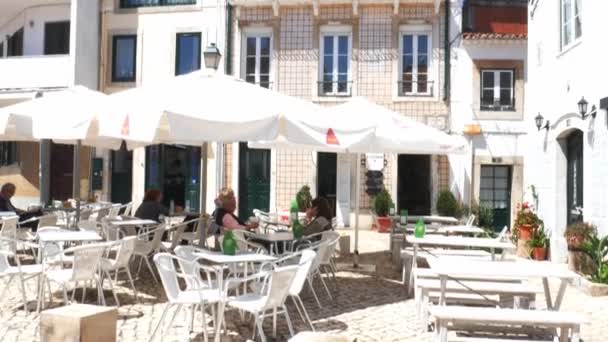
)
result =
(239, 257)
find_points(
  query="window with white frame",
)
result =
(257, 59)
(335, 77)
(414, 64)
(497, 90)
(571, 24)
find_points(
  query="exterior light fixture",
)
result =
(582, 109)
(212, 56)
(539, 122)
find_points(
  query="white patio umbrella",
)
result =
(201, 107)
(360, 126)
(70, 116)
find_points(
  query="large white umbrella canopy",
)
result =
(201, 107)
(360, 126)
(66, 116)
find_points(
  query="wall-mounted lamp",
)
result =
(582, 109)
(539, 122)
(212, 56)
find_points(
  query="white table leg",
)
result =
(547, 294)
(444, 282)
(575, 333)
(218, 324)
(493, 251)
(414, 265)
(563, 334)
(560, 294)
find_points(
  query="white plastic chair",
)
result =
(114, 210)
(198, 235)
(84, 269)
(196, 294)
(124, 251)
(270, 297)
(51, 253)
(503, 234)
(322, 249)
(102, 212)
(178, 232)
(145, 248)
(306, 258)
(89, 225)
(470, 220)
(21, 272)
(128, 208)
(47, 220)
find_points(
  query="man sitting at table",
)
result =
(224, 213)
(6, 193)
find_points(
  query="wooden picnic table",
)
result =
(446, 268)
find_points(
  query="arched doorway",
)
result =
(574, 176)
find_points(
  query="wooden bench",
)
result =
(429, 291)
(453, 317)
(429, 253)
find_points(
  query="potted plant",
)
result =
(538, 244)
(447, 204)
(304, 198)
(577, 233)
(526, 221)
(382, 204)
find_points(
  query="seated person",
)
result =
(152, 208)
(318, 217)
(6, 193)
(224, 213)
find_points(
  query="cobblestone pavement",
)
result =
(371, 307)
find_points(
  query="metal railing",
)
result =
(413, 88)
(334, 88)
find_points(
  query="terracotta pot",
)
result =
(384, 224)
(539, 253)
(525, 231)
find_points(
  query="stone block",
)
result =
(79, 323)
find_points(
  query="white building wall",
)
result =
(557, 81)
(499, 138)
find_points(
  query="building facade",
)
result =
(567, 156)
(392, 52)
(145, 42)
(45, 46)
(488, 105)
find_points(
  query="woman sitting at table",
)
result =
(224, 213)
(318, 217)
(152, 208)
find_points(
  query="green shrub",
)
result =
(597, 249)
(382, 203)
(447, 204)
(304, 198)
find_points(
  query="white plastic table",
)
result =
(135, 222)
(65, 235)
(455, 242)
(446, 230)
(275, 238)
(223, 259)
(446, 267)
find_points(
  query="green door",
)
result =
(122, 175)
(495, 194)
(574, 176)
(254, 180)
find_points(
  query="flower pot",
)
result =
(384, 224)
(575, 241)
(539, 253)
(525, 232)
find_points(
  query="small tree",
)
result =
(304, 198)
(447, 204)
(382, 203)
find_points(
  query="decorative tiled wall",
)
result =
(374, 54)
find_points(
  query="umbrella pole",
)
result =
(76, 180)
(357, 195)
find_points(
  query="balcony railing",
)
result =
(335, 88)
(416, 89)
(498, 106)
(27, 72)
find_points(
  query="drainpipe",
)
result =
(228, 50)
(447, 44)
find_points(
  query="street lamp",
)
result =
(539, 122)
(582, 109)
(212, 56)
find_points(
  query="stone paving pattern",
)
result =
(371, 307)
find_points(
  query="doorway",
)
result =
(122, 175)
(61, 166)
(414, 184)
(327, 175)
(574, 176)
(495, 194)
(175, 170)
(254, 180)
